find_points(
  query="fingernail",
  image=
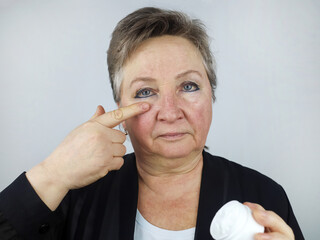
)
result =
(145, 106)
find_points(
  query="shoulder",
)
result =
(224, 180)
(245, 184)
(236, 171)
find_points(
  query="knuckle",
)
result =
(119, 149)
(123, 137)
(268, 216)
(104, 173)
(119, 136)
(122, 150)
(258, 206)
(96, 136)
(119, 163)
(117, 114)
(271, 214)
(87, 125)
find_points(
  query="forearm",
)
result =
(27, 213)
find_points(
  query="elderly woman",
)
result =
(162, 76)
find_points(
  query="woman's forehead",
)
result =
(168, 45)
(163, 55)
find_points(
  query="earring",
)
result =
(124, 130)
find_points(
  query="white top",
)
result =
(146, 231)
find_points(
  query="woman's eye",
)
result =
(143, 93)
(190, 87)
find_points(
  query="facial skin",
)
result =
(168, 73)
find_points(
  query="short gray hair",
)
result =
(150, 22)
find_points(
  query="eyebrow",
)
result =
(181, 75)
(142, 79)
(150, 79)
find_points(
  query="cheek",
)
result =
(200, 114)
(140, 125)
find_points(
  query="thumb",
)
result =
(99, 111)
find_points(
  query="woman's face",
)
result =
(168, 73)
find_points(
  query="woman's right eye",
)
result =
(144, 92)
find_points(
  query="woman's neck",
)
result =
(169, 191)
(160, 175)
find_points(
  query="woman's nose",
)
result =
(169, 109)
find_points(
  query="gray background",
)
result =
(53, 75)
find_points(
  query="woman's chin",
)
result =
(161, 148)
(172, 151)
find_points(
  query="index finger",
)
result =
(115, 117)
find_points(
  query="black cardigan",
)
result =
(107, 208)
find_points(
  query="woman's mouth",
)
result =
(171, 136)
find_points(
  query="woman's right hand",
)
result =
(87, 154)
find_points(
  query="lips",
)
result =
(172, 135)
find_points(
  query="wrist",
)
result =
(50, 189)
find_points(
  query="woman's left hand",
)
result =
(275, 227)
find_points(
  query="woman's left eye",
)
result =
(190, 87)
